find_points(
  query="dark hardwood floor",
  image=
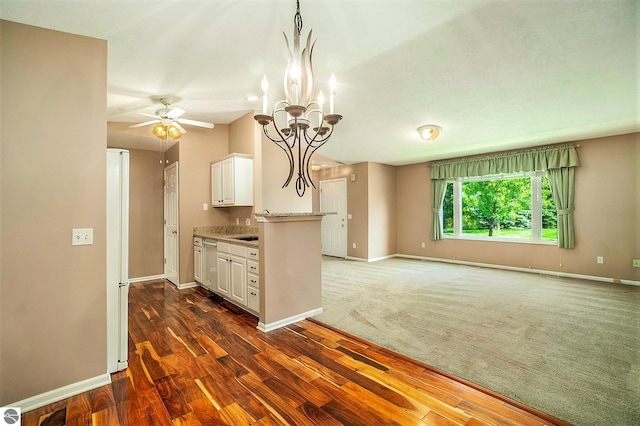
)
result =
(197, 360)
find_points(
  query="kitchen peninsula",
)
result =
(273, 270)
(291, 267)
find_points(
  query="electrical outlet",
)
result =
(81, 236)
(237, 221)
(600, 259)
(247, 221)
(636, 263)
(354, 245)
(423, 245)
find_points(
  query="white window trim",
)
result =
(536, 210)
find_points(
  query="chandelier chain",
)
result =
(298, 18)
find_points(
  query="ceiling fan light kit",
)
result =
(168, 123)
(299, 122)
(162, 131)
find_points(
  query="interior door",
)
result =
(333, 198)
(171, 228)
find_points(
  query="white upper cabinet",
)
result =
(232, 181)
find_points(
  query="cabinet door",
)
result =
(253, 299)
(223, 275)
(238, 280)
(227, 181)
(216, 184)
(197, 264)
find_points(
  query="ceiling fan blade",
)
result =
(148, 115)
(146, 123)
(179, 127)
(195, 123)
(175, 112)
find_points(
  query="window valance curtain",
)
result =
(530, 160)
(559, 161)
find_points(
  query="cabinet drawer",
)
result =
(238, 250)
(224, 247)
(197, 241)
(253, 299)
(253, 267)
(253, 254)
(253, 280)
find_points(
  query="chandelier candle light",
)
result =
(299, 119)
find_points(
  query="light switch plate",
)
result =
(82, 236)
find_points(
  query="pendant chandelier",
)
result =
(298, 124)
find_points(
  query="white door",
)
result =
(333, 198)
(171, 234)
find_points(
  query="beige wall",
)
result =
(291, 283)
(242, 140)
(146, 213)
(606, 218)
(197, 149)
(242, 135)
(275, 169)
(382, 210)
(357, 204)
(53, 178)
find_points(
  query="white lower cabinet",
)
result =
(238, 276)
(253, 280)
(197, 259)
(253, 293)
(223, 275)
(224, 268)
(238, 282)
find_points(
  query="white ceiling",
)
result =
(494, 74)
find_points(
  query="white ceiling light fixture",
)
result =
(429, 132)
(299, 121)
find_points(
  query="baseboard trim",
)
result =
(187, 285)
(375, 259)
(147, 278)
(265, 328)
(59, 394)
(518, 269)
(357, 259)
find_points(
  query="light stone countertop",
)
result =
(227, 234)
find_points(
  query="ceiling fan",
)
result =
(168, 123)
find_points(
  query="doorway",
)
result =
(333, 198)
(171, 228)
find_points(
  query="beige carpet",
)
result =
(568, 347)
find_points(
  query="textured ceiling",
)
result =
(494, 74)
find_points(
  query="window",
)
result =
(513, 207)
